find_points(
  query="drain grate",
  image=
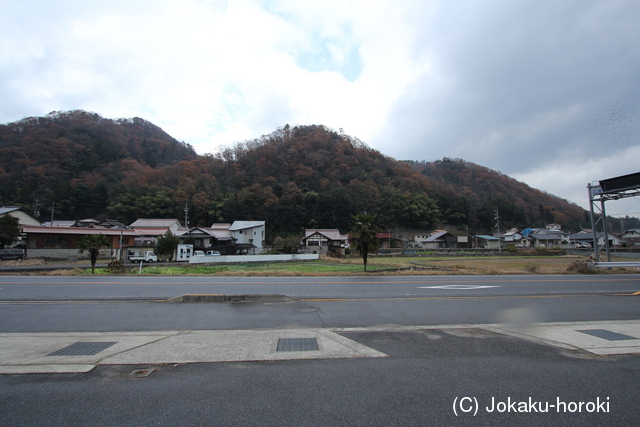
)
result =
(607, 335)
(82, 349)
(297, 344)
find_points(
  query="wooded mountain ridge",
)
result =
(293, 178)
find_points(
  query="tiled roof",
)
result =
(144, 231)
(241, 225)
(436, 237)
(77, 230)
(218, 233)
(331, 234)
(154, 223)
(7, 209)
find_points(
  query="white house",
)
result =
(323, 241)
(632, 236)
(16, 212)
(249, 234)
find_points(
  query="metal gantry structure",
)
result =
(606, 190)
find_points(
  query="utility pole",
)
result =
(496, 216)
(53, 209)
(186, 215)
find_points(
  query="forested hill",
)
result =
(306, 176)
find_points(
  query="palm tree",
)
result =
(92, 243)
(364, 237)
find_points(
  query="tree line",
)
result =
(293, 178)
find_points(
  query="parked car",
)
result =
(148, 256)
(17, 254)
(213, 253)
(198, 253)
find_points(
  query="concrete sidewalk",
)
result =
(38, 352)
(82, 351)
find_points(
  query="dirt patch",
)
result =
(26, 262)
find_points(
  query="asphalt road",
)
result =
(422, 382)
(126, 287)
(65, 304)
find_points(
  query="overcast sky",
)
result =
(545, 91)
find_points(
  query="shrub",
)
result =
(581, 268)
(116, 267)
(532, 268)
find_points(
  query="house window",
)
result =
(48, 242)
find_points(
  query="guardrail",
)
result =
(615, 264)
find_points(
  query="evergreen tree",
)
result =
(92, 243)
(363, 235)
(167, 244)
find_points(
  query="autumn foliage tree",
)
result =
(293, 178)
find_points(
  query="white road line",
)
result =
(458, 287)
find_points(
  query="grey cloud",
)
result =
(513, 83)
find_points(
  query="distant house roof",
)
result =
(220, 226)
(218, 233)
(329, 233)
(17, 212)
(144, 231)
(7, 209)
(585, 236)
(77, 230)
(154, 223)
(545, 236)
(242, 225)
(59, 224)
(485, 237)
(437, 237)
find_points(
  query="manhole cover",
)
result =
(607, 335)
(297, 344)
(83, 349)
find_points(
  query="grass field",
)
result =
(385, 265)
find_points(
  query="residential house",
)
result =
(416, 243)
(486, 242)
(16, 212)
(632, 236)
(440, 240)
(23, 219)
(547, 237)
(149, 229)
(217, 237)
(512, 236)
(323, 241)
(249, 236)
(585, 238)
(386, 240)
(62, 242)
(545, 240)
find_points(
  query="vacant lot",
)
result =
(418, 265)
